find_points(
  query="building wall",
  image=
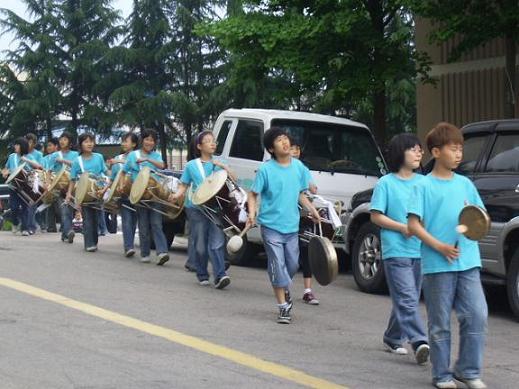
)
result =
(471, 89)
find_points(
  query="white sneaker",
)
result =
(15, 229)
(422, 354)
(91, 249)
(395, 348)
(204, 283)
(163, 258)
(25, 233)
(475, 383)
(129, 253)
(145, 260)
(446, 385)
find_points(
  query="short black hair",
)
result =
(24, 145)
(397, 148)
(149, 132)
(294, 141)
(68, 135)
(83, 137)
(54, 141)
(31, 136)
(270, 136)
(133, 137)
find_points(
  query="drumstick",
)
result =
(236, 242)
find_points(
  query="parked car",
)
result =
(491, 161)
(341, 154)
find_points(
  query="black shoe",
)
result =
(70, 237)
(284, 315)
(221, 283)
(189, 268)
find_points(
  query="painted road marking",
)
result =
(192, 342)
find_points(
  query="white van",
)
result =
(341, 154)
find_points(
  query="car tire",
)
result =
(247, 252)
(367, 267)
(512, 284)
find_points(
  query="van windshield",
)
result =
(335, 148)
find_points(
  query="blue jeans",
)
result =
(150, 222)
(129, 224)
(101, 222)
(18, 210)
(282, 255)
(463, 292)
(90, 236)
(208, 241)
(67, 214)
(191, 252)
(404, 279)
(31, 218)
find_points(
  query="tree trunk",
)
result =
(379, 115)
(511, 79)
(163, 142)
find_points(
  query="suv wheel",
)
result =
(367, 266)
(512, 283)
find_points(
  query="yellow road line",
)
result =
(235, 356)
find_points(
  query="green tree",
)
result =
(198, 67)
(476, 22)
(87, 33)
(338, 57)
(142, 98)
(35, 59)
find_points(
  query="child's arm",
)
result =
(174, 197)
(303, 200)
(158, 164)
(386, 222)
(251, 203)
(416, 228)
(68, 198)
(230, 173)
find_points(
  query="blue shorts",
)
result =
(282, 254)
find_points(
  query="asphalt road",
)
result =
(140, 338)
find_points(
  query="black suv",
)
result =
(491, 161)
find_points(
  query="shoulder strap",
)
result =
(81, 166)
(200, 168)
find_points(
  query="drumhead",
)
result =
(140, 185)
(57, 178)
(210, 187)
(476, 220)
(15, 173)
(113, 188)
(323, 260)
(82, 187)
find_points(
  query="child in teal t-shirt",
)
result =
(400, 250)
(280, 183)
(207, 240)
(450, 262)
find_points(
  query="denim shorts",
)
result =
(282, 254)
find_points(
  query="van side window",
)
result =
(505, 154)
(222, 136)
(248, 140)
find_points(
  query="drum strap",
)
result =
(200, 168)
(81, 166)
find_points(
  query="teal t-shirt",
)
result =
(68, 156)
(133, 168)
(47, 162)
(37, 157)
(279, 188)
(13, 161)
(94, 165)
(193, 176)
(118, 165)
(438, 203)
(390, 197)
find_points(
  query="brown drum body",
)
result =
(121, 187)
(29, 185)
(57, 187)
(229, 207)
